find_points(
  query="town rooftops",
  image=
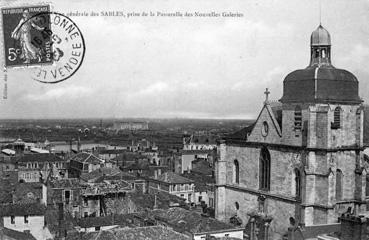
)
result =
(137, 233)
(199, 151)
(163, 200)
(96, 174)
(16, 235)
(21, 209)
(191, 221)
(65, 183)
(40, 157)
(173, 178)
(28, 192)
(110, 220)
(106, 188)
(84, 157)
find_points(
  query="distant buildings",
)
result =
(131, 126)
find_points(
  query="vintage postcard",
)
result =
(184, 119)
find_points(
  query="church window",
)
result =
(338, 185)
(237, 205)
(337, 118)
(264, 176)
(298, 183)
(236, 172)
(298, 118)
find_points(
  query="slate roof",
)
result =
(241, 134)
(173, 178)
(84, 157)
(117, 219)
(137, 233)
(65, 183)
(104, 171)
(27, 192)
(16, 235)
(190, 220)
(147, 201)
(31, 209)
(40, 157)
(321, 84)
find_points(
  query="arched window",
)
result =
(298, 118)
(236, 172)
(298, 183)
(338, 185)
(264, 169)
(337, 118)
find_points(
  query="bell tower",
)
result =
(320, 43)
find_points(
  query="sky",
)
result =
(189, 67)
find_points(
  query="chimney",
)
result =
(155, 202)
(44, 194)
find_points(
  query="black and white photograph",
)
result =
(184, 120)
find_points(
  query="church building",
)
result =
(301, 162)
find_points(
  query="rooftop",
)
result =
(40, 157)
(65, 183)
(31, 209)
(173, 178)
(190, 221)
(104, 171)
(106, 188)
(16, 235)
(137, 233)
(84, 157)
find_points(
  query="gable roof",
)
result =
(173, 178)
(268, 107)
(21, 209)
(137, 233)
(40, 157)
(18, 235)
(85, 157)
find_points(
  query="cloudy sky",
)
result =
(190, 67)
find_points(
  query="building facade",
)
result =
(301, 161)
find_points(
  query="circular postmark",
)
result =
(59, 45)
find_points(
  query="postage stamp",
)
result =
(47, 44)
(25, 41)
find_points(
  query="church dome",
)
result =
(320, 37)
(321, 82)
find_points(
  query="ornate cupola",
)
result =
(321, 82)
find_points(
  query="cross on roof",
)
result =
(267, 92)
